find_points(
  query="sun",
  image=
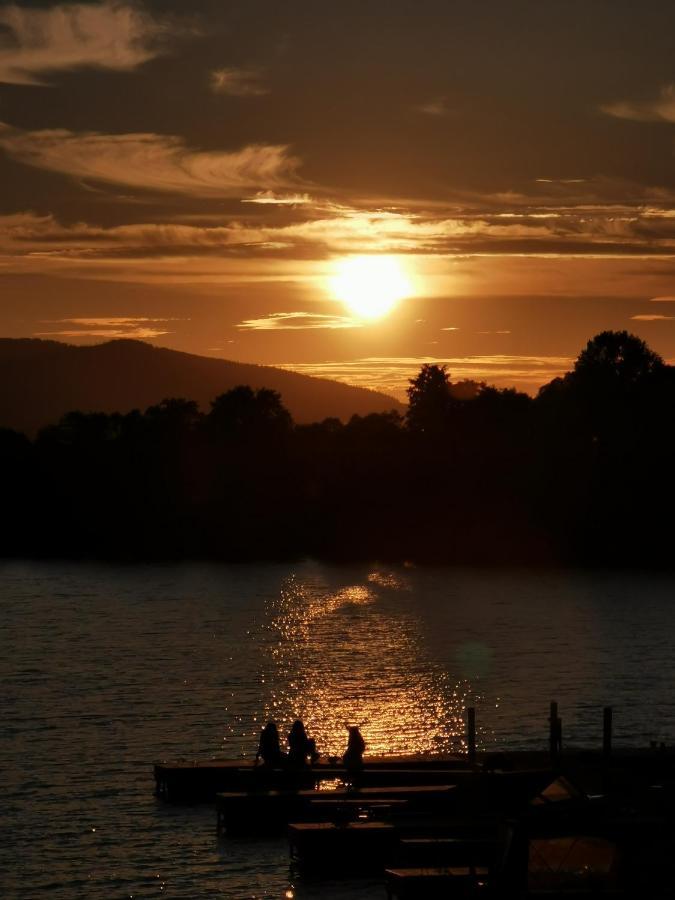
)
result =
(370, 286)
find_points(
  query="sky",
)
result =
(199, 175)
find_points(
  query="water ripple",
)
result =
(104, 669)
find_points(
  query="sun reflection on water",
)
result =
(339, 656)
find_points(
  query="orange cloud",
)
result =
(297, 321)
(648, 318)
(151, 162)
(238, 82)
(106, 35)
(392, 374)
(141, 327)
(660, 109)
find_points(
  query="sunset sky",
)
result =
(199, 174)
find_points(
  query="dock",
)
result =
(510, 823)
(270, 812)
(199, 781)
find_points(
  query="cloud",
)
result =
(450, 328)
(297, 321)
(110, 327)
(296, 226)
(114, 321)
(140, 333)
(238, 82)
(661, 109)
(108, 35)
(436, 108)
(392, 374)
(31, 236)
(269, 198)
(141, 327)
(151, 162)
(662, 300)
(647, 318)
(560, 180)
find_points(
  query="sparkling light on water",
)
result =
(105, 668)
(339, 659)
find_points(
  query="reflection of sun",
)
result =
(339, 655)
(370, 286)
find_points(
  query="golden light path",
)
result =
(370, 286)
(337, 656)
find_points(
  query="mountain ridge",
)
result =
(43, 379)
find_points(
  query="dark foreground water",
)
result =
(104, 669)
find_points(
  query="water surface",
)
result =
(104, 669)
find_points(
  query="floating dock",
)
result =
(461, 824)
(198, 781)
(266, 812)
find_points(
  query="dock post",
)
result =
(607, 734)
(471, 733)
(555, 734)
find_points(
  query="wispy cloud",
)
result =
(659, 109)
(297, 321)
(269, 198)
(108, 35)
(392, 374)
(560, 180)
(115, 321)
(142, 327)
(238, 82)
(151, 162)
(649, 318)
(110, 333)
(436, 108)
(662, 300)
(296, 226)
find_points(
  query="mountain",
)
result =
(42, 380)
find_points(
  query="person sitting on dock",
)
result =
(353, 758)
(301, 748)
(269, 748)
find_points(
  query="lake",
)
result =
(106, 668)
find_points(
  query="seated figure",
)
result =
(269, 748)
(301, 749)
(353, 758)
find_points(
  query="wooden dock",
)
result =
(266, 812)
(460, 824)
(357, 847)
(198, 781)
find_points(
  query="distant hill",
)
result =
(42, 380)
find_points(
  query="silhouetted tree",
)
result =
(617, 356)
(246, 413)
(174, 414)
(430, 400)
(466, 389)
(474, 474)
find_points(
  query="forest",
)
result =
(582, 473)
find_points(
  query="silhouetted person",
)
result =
(300, 747)
(353, 758)
(269, 748)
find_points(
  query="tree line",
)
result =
(582, 473)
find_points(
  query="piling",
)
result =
(607, 734)
(555, 734)
(471, 733)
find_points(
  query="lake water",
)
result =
(107, 668)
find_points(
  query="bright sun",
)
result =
(370, 286)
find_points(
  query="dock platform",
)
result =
(198, 781)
